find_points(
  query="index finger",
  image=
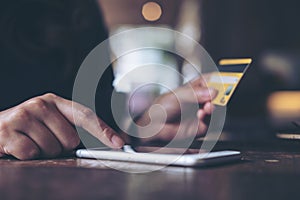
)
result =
(84, 117)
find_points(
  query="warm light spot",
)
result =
(284, 104)
(151, 11)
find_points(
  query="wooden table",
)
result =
(268, 170)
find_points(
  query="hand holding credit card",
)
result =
(227, 79)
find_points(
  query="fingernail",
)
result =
(213, 92)
(117, 141)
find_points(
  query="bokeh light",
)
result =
(151, 11)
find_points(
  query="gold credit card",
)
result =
(227, 79)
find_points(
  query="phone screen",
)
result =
(152, 149)
(166, 150)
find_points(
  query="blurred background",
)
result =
(268, 98)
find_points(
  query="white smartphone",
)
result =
(170, 156)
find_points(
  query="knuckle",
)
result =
(21, 114)
(37, 103)
(49, 96)
(87, 114)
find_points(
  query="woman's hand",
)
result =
(182, 112)
(44, 127)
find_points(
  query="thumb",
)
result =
(205, 94)
(196, 94)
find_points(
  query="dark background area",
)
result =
(236, 28)
(260, 30)
(252, 28)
